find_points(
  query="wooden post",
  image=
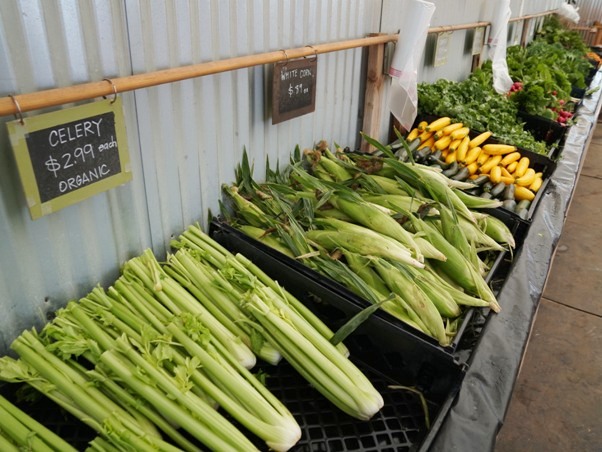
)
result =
(524, 38)
(373, 96)
(598, 38)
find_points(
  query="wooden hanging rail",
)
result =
(532, 16)
(20, 103)
(91, 90)
(445, 28)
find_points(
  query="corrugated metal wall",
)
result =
(184, 138)
(590, 11)
(45, 262)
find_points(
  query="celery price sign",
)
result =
(68, 155)
(294, 89)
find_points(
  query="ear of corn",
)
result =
(400, 283)
(359, 239)
(455, 235)
(456, 266)
(476, 202)
(377, 220)
(497, 230)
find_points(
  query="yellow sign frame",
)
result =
(18, 131)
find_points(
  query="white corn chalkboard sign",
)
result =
(294, 89)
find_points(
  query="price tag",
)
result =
(294, 89)
(478, 39)
(68, 155)
(442, 48)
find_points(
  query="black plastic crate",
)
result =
(578, 93)
(539, 162)
(517, 226)
(302, 280)
(382, 348)
(544, 129)
(399, 426)
(47, 413)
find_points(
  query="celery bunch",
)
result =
(145, 359)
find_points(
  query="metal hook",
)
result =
(285, 55)
(315, 52)
(19, 114)
(114, 90)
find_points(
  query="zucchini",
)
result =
(487, 186)
(402, 155)
(436, 155)
(509, 204)
(413, 145)
(441, 163)
(422, 154)
(509, 191)
(522, 213)
(461, 175)
(486, 195)
(497, 189)
(452, 170)
(474, 191)
(483, 178)
(524, 204)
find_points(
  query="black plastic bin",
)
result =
(544, 129)
(539, 162)
(384, 351)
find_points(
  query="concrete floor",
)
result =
(557, 400)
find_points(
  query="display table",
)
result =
(478, 412)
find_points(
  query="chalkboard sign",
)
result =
(69, 155)
(294, 89)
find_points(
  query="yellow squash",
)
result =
(498, 149)
(438, 124)
(479, 139)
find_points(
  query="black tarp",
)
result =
(477, 415)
